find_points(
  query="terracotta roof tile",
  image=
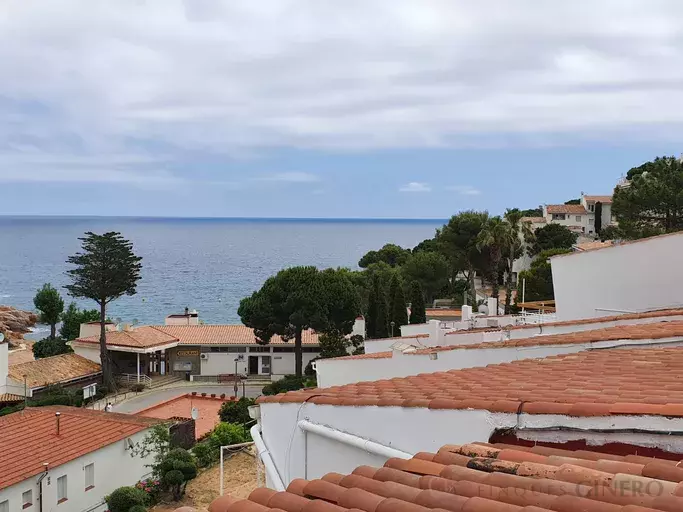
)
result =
(148, 336)
(487, 485)
(29, 438)
(574, 209)
(602, 199)
(53, 370)
(566, 384)
(373, 355)
(628, 242)
(649, 331)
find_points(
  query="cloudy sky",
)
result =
(330, 108)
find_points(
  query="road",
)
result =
(162, 395)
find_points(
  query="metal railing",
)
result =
(132, 378)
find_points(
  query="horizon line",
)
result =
(51, 216)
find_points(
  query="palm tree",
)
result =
(517, 233)
(493, 240)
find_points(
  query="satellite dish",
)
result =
(2, 337)
(195, 413)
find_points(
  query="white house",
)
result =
(66, 459)
(628, 277)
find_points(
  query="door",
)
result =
(253, 365)
(265, 365)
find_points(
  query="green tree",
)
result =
(236, 411)
(175, 470)
(532, 212)
(391, 254)
(431, 270)
(610, 232)
(297, 299)
(105, 270)
(398, 312)
(418, 314)
(72, 320)
(494, 239)
(377, 317)
(49, 347)
(552, 236)
(458, 241)
(125, 498)
(516, 233)
(333, 344)
(573, 201)
(50, 304)
(598, 217)
(652, 203)
(539, 277)
(428, 245)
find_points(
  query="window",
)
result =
(4, 506)
(591, 207)
(283, 349)
(27, 498)
(558, 216)
(259, 349)
(310, 349)
(89, 476)
(578, 218)
(229, 349)
(61, 489)
(591, 221)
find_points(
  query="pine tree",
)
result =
(397, 309)
(377, 322)
(418, 315)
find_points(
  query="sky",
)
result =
(328, 108)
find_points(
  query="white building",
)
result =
(66, 459)
(628, 277)
(580, 218)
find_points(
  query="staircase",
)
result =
(163, 380)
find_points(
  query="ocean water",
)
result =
(204, 264)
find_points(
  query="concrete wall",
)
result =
(114, 468)
(89, 352)
(181, 357)
(93, 329)
(636, 276)
(305, 455)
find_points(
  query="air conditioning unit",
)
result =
(204, 356)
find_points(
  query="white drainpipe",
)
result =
(267, 460)
(355, 441)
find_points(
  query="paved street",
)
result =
(161, 395)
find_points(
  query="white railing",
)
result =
(537, 318)
(133, 378)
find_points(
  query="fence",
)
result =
(132, 378)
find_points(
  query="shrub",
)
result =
(137, 387)
(138, 508)
(151, 488)
(205, 454)
(49, 347)
(228, 433)
(236, 411)
(125, 498)
(175, 470)
(288, 383)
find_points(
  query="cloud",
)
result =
(291, 177)
(237, 76)
(415, 186)
(465, 190)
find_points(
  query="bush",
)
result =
(176, 462)
(138, 508)
(137, 387)
(48, 347)
(151, 488)
(125, 498)
(236, 411)
(228, 433)
(205, 454)
(288, 383)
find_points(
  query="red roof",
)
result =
(576, 209)
(596, 199)
(642, 381)
(29, 438)
(483, 477)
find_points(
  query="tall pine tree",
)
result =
(397, 309)
(377, 323)
(418, 314)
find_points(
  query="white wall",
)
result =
(4, 366)
(89, 352)
(220, 363)
(114, 468)
(333, 372)
(636, 276)
(413, 429)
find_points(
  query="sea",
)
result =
(204, 264)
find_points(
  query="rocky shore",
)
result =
(14, 323)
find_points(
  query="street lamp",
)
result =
(237, 359)
(392, 328)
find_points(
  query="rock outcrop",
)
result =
(14, 323)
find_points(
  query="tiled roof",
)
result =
(590, 383)
(225, 335)
(623, 243)
(566, 208)
(53, 370)
(374, 355)
(443, 312)
(9, 397)
(29, 438)
(651, 331)
(590, 246)
(156, 335)
(483, 477)
(601, 199)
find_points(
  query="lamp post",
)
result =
(237, 359)
(392, 328)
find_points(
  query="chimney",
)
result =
(187, 311)
(57, 415)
